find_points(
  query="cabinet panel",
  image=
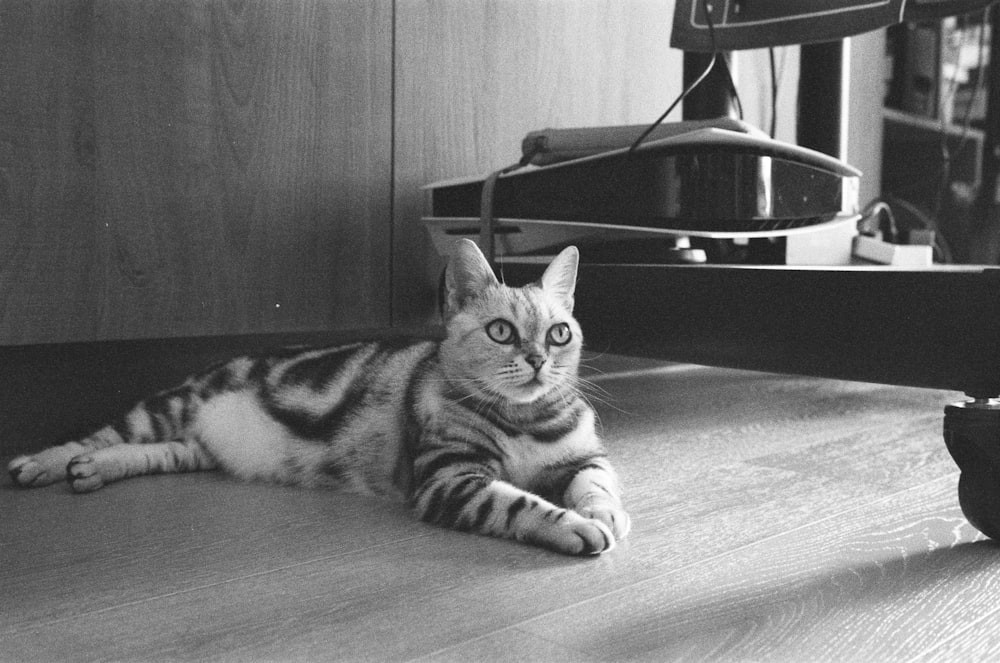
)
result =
(190, 168)
(48, 276)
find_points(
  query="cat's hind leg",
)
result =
(45, 467)
(49, 466)
(150, 438)
(89, 471)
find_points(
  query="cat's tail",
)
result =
(153, 437)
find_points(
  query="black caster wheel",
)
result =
(979, 496)
(972, 434)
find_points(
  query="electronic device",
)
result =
(731, 25)
(719, 187)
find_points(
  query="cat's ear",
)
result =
(468, 274)
(560, 276)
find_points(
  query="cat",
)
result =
(485, 430)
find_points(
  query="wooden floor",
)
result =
(775, 519)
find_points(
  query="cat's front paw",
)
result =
(617, 520)
(28, 472)
(573, 534)
(83, 474)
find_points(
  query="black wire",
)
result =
(698, 81)
(774, 92)
(679, 99)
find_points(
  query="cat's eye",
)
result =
(560, 334)
(501, 331)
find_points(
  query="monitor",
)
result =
(745, 24)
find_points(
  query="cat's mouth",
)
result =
(531, 388)
(522, 392)
(533, 382)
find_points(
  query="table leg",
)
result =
(972, 434)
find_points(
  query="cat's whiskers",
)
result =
(595, 369)
(592, 355)
(567, 394)
(593, 387)
(496, 404)
(481, 392)
(592, 392)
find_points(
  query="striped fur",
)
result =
(484, 431)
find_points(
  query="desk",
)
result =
(935, 328)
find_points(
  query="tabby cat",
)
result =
(485, 430)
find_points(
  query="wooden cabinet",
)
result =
(204, 167)
(193, 167)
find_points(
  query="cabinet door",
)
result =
(193, 168)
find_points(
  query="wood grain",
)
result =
(187, 167)
(976, 639)
(775, 518)
(48, 287)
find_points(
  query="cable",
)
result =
(872, 217)
(774, 91)
(941, 247)
(487, 222)
(679, 99)
(698, 81)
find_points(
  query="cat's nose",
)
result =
(535, 360)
